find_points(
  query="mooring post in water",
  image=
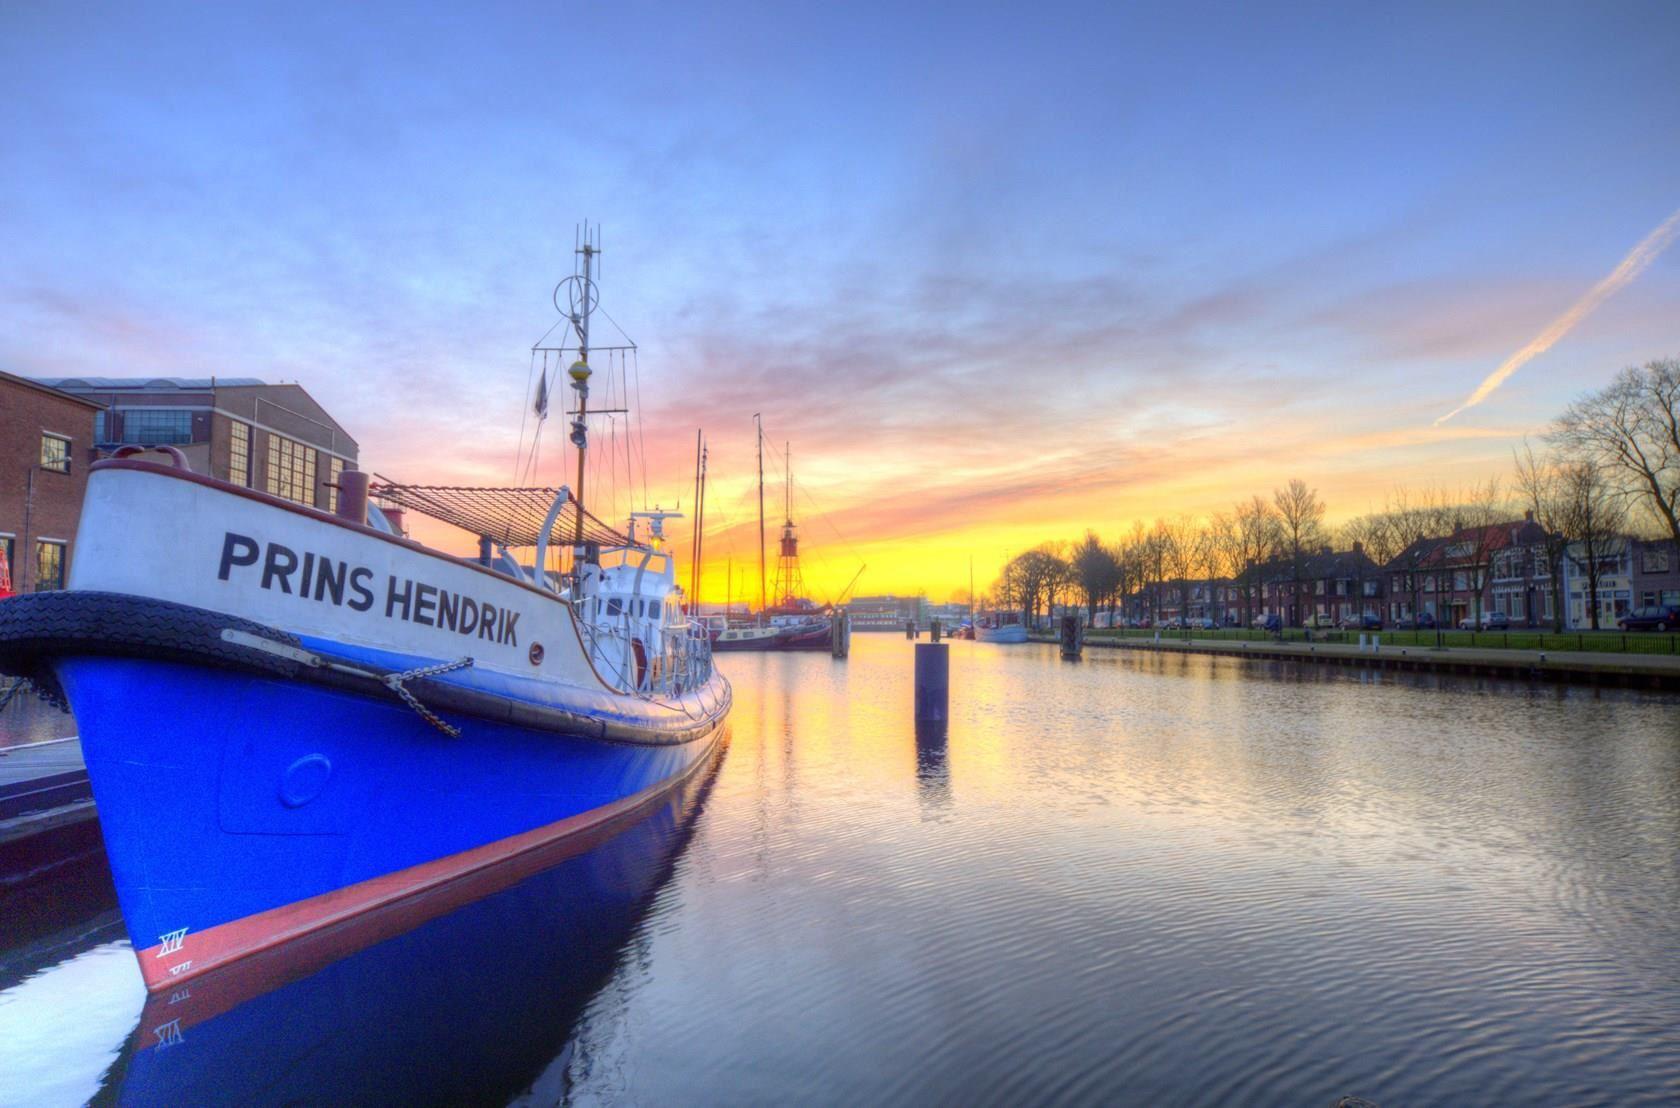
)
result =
(840, 635)
(933, 682)
(1073, 638)
(909, 628)
(933, 631)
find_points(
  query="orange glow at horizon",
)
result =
(917, 524)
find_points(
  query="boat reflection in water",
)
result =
(470, 1007)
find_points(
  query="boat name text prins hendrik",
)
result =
(324, 579)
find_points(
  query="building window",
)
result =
(55, 453)
(291, 470)
(335, 469)
(239, 457)
(1653, 559)
(8, 562)
(49, 565)
(155, 427)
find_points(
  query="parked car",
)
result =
(1273, 622)
(1662, 617)
(1205, 624)
(1491, 621)
(1366, 622)
(1318, 619)
(1421, 622)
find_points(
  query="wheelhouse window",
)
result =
(55, 453)
(239, 460)
(49, 565)
(291, 469)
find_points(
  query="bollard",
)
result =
(1362, 642)
(933, 631)
(1073, 638)
(909, 628)
(933, 683)
(840, 635)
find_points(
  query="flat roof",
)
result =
(110, 384)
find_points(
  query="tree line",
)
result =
(1609, 465)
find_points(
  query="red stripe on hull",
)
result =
(319, 927)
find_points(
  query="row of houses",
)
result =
(1502, 568)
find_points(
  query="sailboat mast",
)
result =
(694, 544)
(759, 423)
(700, 528)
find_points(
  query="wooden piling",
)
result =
(1072, 638)
(933, 684)
(840, 635)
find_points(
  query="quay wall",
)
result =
(1641, 671)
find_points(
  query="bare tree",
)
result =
(1222, 552)
(1177, 539)
(1595, 515)
(1301, 525)
(1372, 535)
(1257, 538)
(1476, 535)
(1416, 522)
(1545, 493)
(1630, 430)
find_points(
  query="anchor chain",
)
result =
(394, 682)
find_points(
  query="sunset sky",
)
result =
(999, 273)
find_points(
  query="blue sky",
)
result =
(1109, 261)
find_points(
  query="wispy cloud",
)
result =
(1630, 267)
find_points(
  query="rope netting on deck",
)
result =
(511, 516)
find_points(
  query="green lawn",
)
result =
(1631, 642)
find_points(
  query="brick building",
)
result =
(1475, 571)
(46, 443)
(1335, 587)
(270, 437)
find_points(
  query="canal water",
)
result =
(1138, 878)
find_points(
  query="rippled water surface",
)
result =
(1135, 879)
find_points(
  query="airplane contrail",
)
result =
(1631, 266)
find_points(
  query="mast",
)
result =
(694, 543)
(700, 528)
(759, 423)
(580, 381)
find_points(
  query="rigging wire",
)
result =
(525, 410)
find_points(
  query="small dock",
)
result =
(1588, 667)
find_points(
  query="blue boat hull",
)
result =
(241, 810)
(501, 982)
